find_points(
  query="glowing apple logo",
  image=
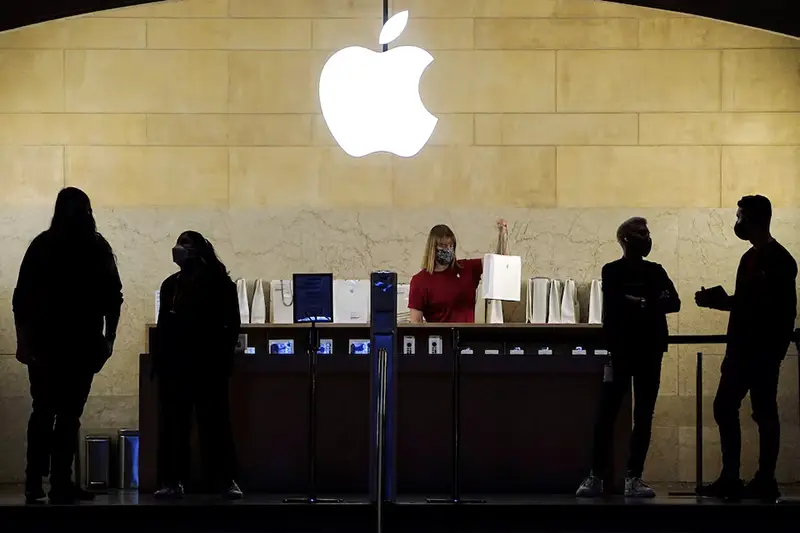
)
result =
(371, 101)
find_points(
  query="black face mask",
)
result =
(742, 230)
(180, 255)
(444, 256)
(639, 246)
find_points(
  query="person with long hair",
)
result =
(198, 327)
(67, 305)
(445, 289)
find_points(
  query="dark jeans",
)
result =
(645, 371)
(740, 374)
(59, 396)
(180, 393)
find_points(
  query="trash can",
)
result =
(128, 459)
(97, 462)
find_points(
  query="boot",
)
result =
(34, 491)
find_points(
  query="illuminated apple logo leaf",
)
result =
(393, 28)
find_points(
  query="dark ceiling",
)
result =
(775, 15)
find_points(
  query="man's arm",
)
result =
(614, 298)
(666, 300)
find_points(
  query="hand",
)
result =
(712, 298)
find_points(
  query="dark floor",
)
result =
(119, 512)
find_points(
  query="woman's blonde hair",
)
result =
(437, 235)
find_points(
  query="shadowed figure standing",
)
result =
(760, 328)
(198, 327)
(637, 296)
(67, 305)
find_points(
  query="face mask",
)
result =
(444, 256)
(639, 246)
(180, 255)
(742, 230)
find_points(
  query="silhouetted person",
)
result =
(198, 328)
(760, 328)
(67, 294)
(637, 296)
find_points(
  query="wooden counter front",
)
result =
(526, 420)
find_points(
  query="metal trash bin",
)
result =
(128, 459)
(97, 462)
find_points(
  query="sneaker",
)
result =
(591, 487)
(764, 489)
(233, 492)
(170, 492)
(69, 494)
(723, 489)
(34, 492)
(635, 487)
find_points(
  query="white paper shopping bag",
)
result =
(502, 277)
(258, 311)
(596, 302)
(351, 301)
(538, 299)
(554, 303)
(281, 301)
(158, 304)
(569, 303)
(403, 312)
(244, 306)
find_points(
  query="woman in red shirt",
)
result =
(444, 290)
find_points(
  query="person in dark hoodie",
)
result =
(761, 325)
(637, 296)
(198, 327)
(67, 306)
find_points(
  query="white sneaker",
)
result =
(591, 487)
(636, 488)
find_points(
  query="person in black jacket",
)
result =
(198, 327)
(637, 296)
(68, 292)
(763, 310)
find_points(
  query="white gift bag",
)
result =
(403, 312)
(281, 301)
(569, 304)
(554, 304)
(158, 304)
(536, 308)
(351, 301)
(596, 302)
(502, 277)
(258, 311)
(244, 306)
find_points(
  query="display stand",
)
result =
(699, 433)
(311, 493)
(455, 497)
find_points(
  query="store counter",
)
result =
(526, 420)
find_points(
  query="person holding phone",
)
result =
(637, 297)
(763, 309)
(444, 290)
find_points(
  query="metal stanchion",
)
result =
(383, 361)
(699, 431)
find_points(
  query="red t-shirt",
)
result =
(449, 295)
